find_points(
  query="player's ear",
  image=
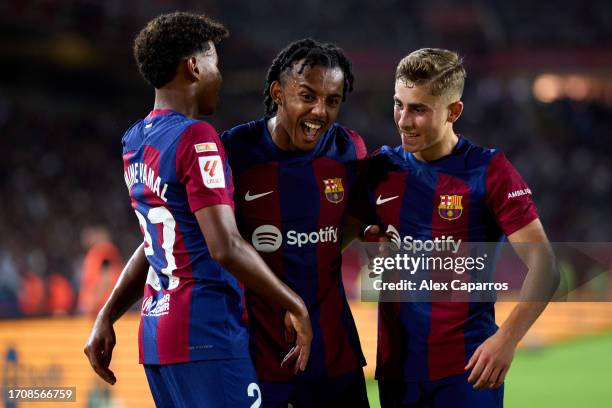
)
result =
(454, 111)
(276, 92)
(191, 68)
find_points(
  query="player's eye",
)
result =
(334, 102)
(307, 97)
(397, 103)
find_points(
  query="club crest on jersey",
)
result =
(334, 192)
(450, 207)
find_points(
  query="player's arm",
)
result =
(491, 361)
(233, 253)
(127, 291)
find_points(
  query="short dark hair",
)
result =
(168, 38)
(441, 69)
(313, 53)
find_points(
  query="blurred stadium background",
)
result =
(539, 87)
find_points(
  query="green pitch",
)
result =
(572, 374)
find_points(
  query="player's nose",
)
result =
(404, 120)
(320, 109)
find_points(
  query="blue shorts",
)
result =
(348, 390)
(206, 383)
(452, 391)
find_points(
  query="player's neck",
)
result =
(280, 137)
(443, 148)
(177, 101)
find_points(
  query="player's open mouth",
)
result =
(311, 130)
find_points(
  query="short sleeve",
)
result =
(508, 196)
(201, 167)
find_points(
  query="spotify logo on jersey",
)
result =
(267, 238)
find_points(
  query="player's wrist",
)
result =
(299, 308)
(508, 336)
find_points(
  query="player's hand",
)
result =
(298, 327)
(372, 234)
(99, 348)
(490, 362)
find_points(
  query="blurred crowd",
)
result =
(66, 225)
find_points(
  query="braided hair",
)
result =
(311, 53)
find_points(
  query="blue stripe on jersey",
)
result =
(149, 328)
(294, 216)
(149, 335)
(416, 316)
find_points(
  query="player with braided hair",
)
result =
(294, 170)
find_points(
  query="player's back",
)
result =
(192, 308)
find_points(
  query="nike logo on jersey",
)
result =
(249, 197)
(380, 200)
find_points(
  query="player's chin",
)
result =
(306, 143)
(412, 147)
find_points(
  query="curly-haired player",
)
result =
(192, 340)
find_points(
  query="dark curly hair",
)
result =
(168, 38)
(313, 53)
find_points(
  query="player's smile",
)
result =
(409, 138)
(312, 129)
(308, 102)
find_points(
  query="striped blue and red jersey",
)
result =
(432, 340)
(192, 307)
(291, 206)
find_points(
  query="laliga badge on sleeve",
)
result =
(211, 168)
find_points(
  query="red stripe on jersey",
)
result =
(256, 208)
(126, 165)
(172, 328)
(508, 196)
(446, 343)
(339, 353)
(360, 146)
(388, 364)
(206, 183)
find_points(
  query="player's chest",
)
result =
(419, 200)
(293, 193)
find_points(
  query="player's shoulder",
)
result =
(133, 136)
(342, 143)
(475, 155)
(389, 154)
(244, 133)
(352, 138)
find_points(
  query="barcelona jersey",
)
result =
(291, 206)
(475, 195)
(192, 307)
